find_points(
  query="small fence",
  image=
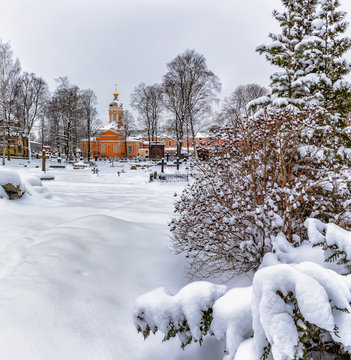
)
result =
(169, 177)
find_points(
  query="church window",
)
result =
(114, 149)
(169, 143)
(130, 149)
(103, 149)
(114, 117)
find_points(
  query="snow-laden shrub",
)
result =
(269, 176)
(291, 311)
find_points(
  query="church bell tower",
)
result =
(116, 110)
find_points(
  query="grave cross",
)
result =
(177, 163)
(162, 165)
(43, 164)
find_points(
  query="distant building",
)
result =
(15, 144)
(113, 140)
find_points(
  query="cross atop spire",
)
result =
(115, 110)
(115, 94)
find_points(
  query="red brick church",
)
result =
(113, 140)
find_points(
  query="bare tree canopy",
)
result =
(128, 125)
(10, 71)
(62, 118)
(32, 98)
(189, 88)
(64, 112)
(148, 101)
(90, 123)
(235, 105)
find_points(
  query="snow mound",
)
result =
(72, 275)
(10, 177)
(68, 286)
(247, 351)
(115, 229)
(3, 194)
(34, 186)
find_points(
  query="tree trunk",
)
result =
(89, 145)
(3, 114)
(29, 149)
(193, 136)
(8, 145)
(3, 144)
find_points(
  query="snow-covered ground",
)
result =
(75, 255)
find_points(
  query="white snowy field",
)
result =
(75, 255)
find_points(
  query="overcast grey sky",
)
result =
(98, 43)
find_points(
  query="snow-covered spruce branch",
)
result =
(188, 314)
(300, 309)
(289, 312)
(335, 242)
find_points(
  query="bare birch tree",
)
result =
(235, 105)
(128, 125)
(65, 114)
(148, 101)
(90, 122)
(32, 99)
(10, 70)
(190, 89)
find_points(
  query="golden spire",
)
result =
(115, 93)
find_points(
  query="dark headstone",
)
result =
(162, 165)
(12, 191)
(157, 151)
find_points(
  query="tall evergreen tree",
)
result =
(309, 50)
(289, 51)
(328, 27)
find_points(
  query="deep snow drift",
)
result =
(75, 254)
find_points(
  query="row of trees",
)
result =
(60, 119)
(22, 99)
(187, 94)
(71, 116)
(29, 110)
